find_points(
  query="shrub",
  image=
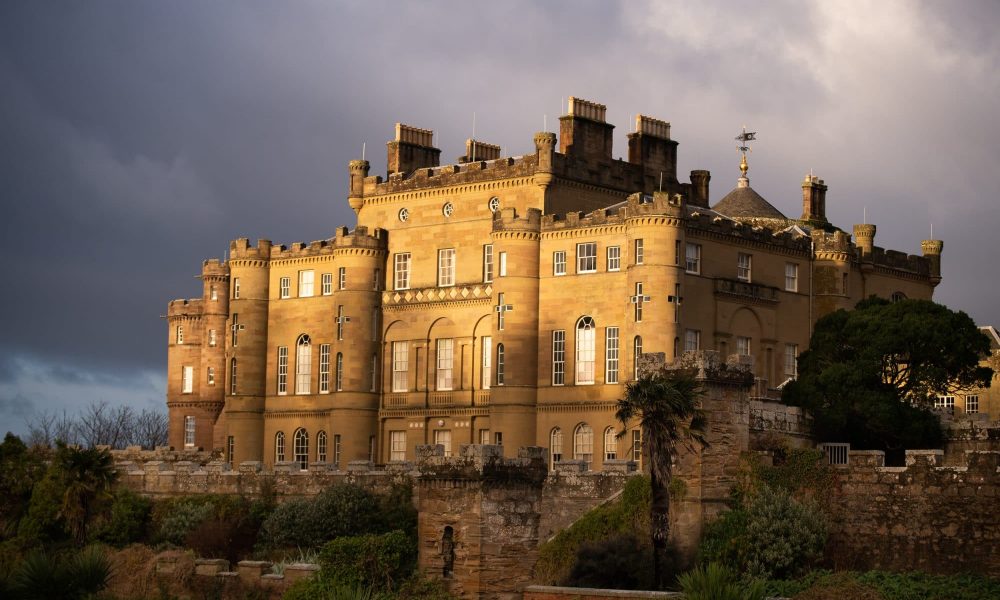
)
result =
(127, 521)
(381, 562)
(44, 577)
(422, 588)
(325, 589)
(717, 582)
(182, 518)
(618, 562)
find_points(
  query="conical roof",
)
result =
(744, 203)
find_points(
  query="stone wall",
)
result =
(772, 421)
(923, 516)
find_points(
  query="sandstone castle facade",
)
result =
(506, 300)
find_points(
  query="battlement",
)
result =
(507, 219)
(214, 268)
(343, 238)
(657, 203)
(185, 307)
(894, 259)
(241, 249)
(713, 224)
(578, 219)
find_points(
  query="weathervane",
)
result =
(744, 139)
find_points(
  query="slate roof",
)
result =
(745, 203)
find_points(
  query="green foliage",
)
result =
(801, 472)
(422, 588)
(717, 582)
(20, 470)
(870, 374)
(43, 577)
(128, 520)
(619, 562)
(215, 526)
(381, 562)
(43, 521)
(886, 586)
(182, 518)
(769, 535)
(87, 475)
(628, 515)
(326, 589)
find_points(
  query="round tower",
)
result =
(932, 251)
(514, 395)
(545, 146)
(215, 302)
(359, 170)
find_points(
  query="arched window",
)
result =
(301, 445)
(500, 364)
(279, 447)
(636, 353)
(556, 446)
(610, 444)
(583, 444)
(303, 365)
(321, 447)
(898, 296)
(340, 371)
(585, 351)
(232, 376)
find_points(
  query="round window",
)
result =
(447, 209)
(494, 204)
(404, 214)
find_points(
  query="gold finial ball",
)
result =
(744, 167)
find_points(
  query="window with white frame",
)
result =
(306, 284)
(303, 365)
(559, 262)
(236, 288)
(342, 278)
(585, 351)
(279, 447)
(586, 257)
(498, 438)
(230, 449)
(638, 251)
(501, 309)
(692, 258)
(180, 335)
(282, 370)
(583, 444)
(232, 375)
(327, 284)
(487, 263)
(611, 355)
(189, 431)
(503, 264)
(324, 368)
(972, 404)
(639, 300)
(484, 437)
(636, 445)
(300, 448)
(187, 379)
(211, 376)
(211, 337)
(336, 450)
(446, 267)
(400, 366)
(614, 258)
(500, 364)
(445, 363)
(555, 446)
(285, 287)
(791, 363)
(743, 266)
(558, 357)
(339, 373)
(610, 444)
(397, 445)
(692, 340)
(442, 437)
(945, 402)
(341, 319)
(401, 271)
(321, 446)
(743, 345)
(213, 293)
(487, 366)
(636, 353)
(791, 277)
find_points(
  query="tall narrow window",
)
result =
(844, 286)
(503, 264)
(374, 373)
(327, 284)
(610, 444)
(211, 337)
(397, 445)
(501, 309)
(374, 320)
(324, 368)
(445, 362)
(340, 372)
(187, 379)
(583, 444)
(342, 278)
(285, 287)
(303, 365)
(498, 438)
(300, 444)
(677, 252)
(744, 262)
(676, 301)
(639, 301)
(743, 345)
(442, 437)
(211, 376)
(321, 447)
(638, 251)
(614, 258)
(558, 357)
(377, 280)
(791, 277)
(282, 370)
(611, 355)
(487, 263)
(341, 319)
(791, 362)
(213, 293)
(236, 288)
(236, 327)
(336, 450)
(500, 364)
(306, 279)
(692, 256)
(279, 447)
(371, 448)
(180, 334)
(586, 257)
(487, 361)
(188, 431)
(585, 351)
(446, 267)
(484, 437)
(692, 340)
(400, 366)
(636, 354)
(636, 445)
(556, 446)
(401, 271)
(559, 262)
(230, 450)
(232, 375)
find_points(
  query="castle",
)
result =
(506, 300)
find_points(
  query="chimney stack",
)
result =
(813, 199)
(699, 188)
(411, 150)
(583, 132)
(476, 151)
(650, 146)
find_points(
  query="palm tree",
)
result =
(666, 404)
(88, 477)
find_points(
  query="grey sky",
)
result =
(137, 138)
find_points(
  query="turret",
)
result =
(359, 170)
(699, 188)
(545, 147)
(412, 149)
(864, 239)
(932, 250)
(583, 132)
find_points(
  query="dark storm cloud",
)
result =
(137, 138)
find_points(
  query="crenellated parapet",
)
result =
(185, 308)
(241, 252)
(707, 224)
(507, 221)
(470, 173)
(344, 241)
